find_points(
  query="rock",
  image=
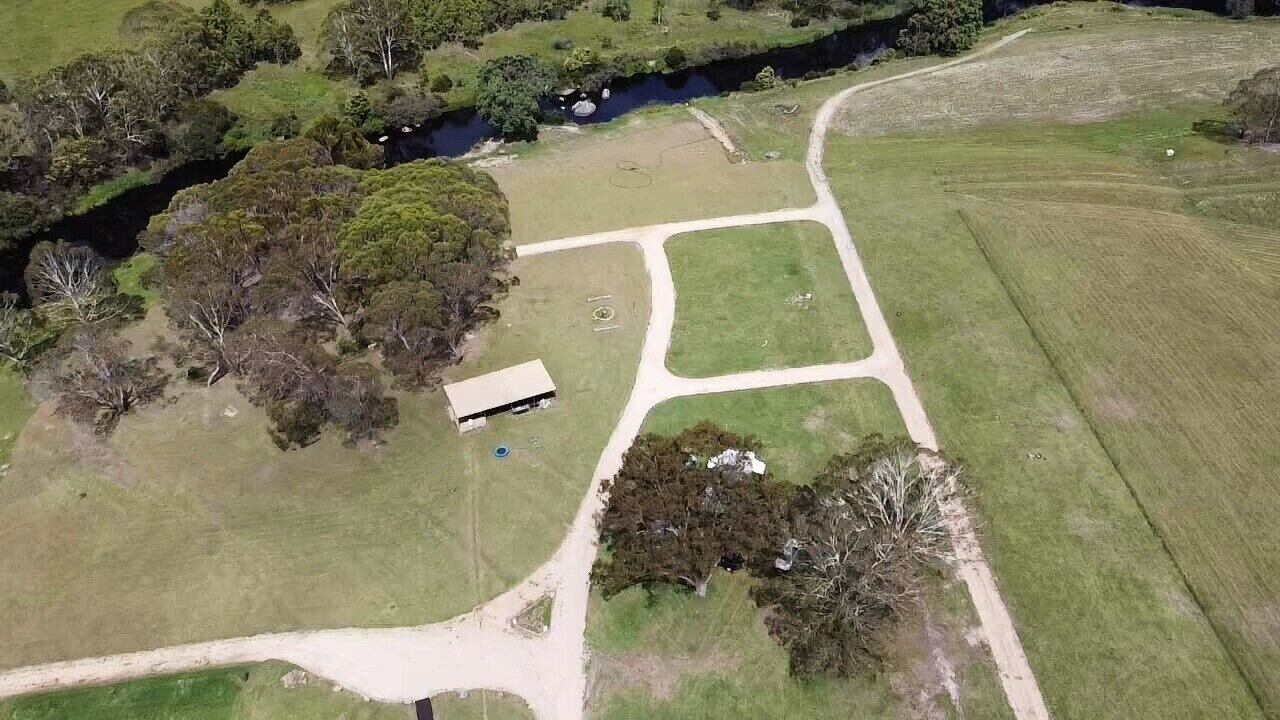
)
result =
(772, 155)
(583, 108)
(384, 138)
(604, 94)
(294, 679)
(406, 128)
(230, 412)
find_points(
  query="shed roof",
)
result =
(498, 389)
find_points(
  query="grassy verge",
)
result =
(761, 297)
(269, 92)
(133, 277)
(673, 655)
(1103, 613)
(186, 524)
(17, 408)
(685, 25)
(105, 192)
(250, 692)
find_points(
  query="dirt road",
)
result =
(480, 649)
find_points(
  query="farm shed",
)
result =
(519, 388)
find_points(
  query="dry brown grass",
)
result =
(1120, 61)
(574, 183)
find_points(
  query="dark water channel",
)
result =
(113, 229)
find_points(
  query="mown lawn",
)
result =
(189, 525)
(674, 655)
(251, 692)
(768, 296)
(1122, 353)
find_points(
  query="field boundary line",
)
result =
(1115, 464)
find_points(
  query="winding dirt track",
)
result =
(480, 649)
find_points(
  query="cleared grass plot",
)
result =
(186, 524)
(768, 296)
(674, 655)
(651, 167)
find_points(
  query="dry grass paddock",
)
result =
(656, 166)
(187, 525)
(1084, 62)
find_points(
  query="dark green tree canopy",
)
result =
(291, 250)
(1255, 107)
(944, 27)
(672, 519)
(507, 94)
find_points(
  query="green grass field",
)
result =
(251, 692)
(1117, 332)
(769, 296)
(679, 656)
(1109, 627)
(193, 526)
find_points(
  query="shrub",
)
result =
(617, 10)
(562, 43)
(286, 126)
(675, 58)
(441, 83)
(713, 10)
(945, 27)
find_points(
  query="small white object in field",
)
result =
(1168, 152)
(384, 138)
(230, 412)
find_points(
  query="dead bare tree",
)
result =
(865, 532)
(102, 383)
(69, 282)
(20, 338)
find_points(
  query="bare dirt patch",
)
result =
(658, 675)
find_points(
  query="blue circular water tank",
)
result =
(501, 451)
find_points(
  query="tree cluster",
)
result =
(943, 27)
(839, 560)
(75, 298)
(865, 532)
(507, 94)
(379, 38)
(293, 254)
(104, 111)
(671, 519)
(1255, 107)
